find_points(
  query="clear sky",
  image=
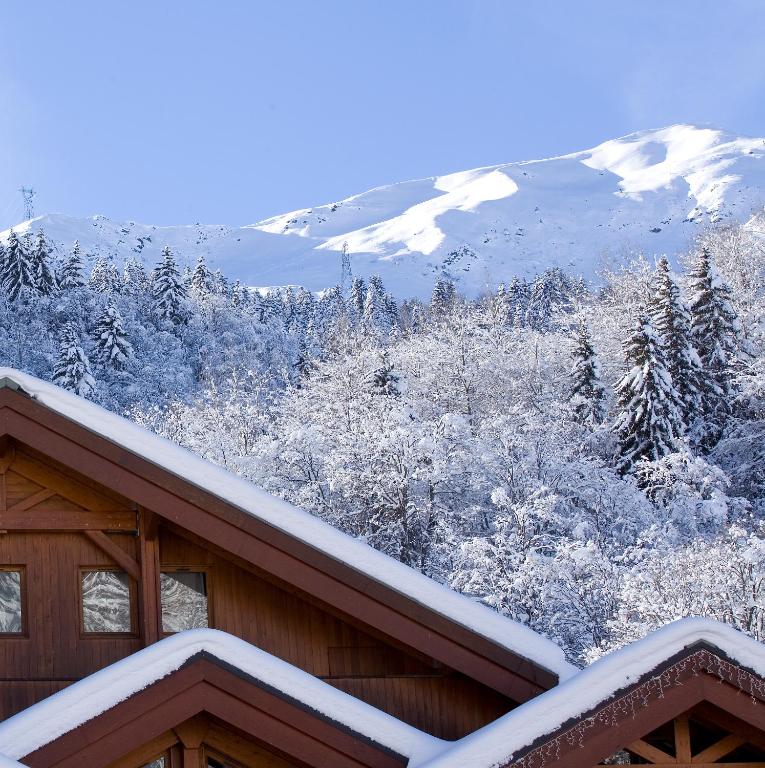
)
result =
(170, 111)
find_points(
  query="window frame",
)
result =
(207, 570)
(23, 633)
(133, 594)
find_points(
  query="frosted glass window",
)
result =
(184, 600)
(106, 603)
(10, 602)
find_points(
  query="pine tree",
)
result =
(105, 278)
(356, 301)
(112, 348)
(374, 316)
(443, 299)
(672, 320)
(201, 279)
(135, 281)
(72, 368)
(71, 273)
(168, 292)
(44, 280)
(15, 270)
(650, 423)
(587, 393)
(385, 380)
(715, 330)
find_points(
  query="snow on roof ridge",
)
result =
(500, 740)
(82, 701)
(481, 619)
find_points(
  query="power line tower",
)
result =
(345, 269)
(28, 193)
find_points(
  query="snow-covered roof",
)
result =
(66, 710)
(496, 743)
(298, 523)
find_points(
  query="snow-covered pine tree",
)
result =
(201, 279)
(385, 379)
(168, 292)
(587, 393)
(356, 301)
(135, 281)
(16, 274)
(650, 422)
(105, 277)
(375, 317)
(672, 320)
(112, 348)
(443, 298)
(715, 330)
(71, 272)
(39, 261)
(72, 368)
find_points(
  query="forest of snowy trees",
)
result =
(586, 459)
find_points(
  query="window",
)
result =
(158, 762)
(11, 615)
(107, 605)
(184, 600)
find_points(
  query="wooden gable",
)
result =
(697, 710)
(74, 499)
(209, 709)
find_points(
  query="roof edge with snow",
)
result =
(297, 523)
(51, 718)
(515, 733)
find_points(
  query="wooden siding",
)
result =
(56, 522)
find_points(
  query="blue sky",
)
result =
(178, 112)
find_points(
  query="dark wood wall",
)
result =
(54, 651)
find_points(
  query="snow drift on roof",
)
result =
(498, 742)
(66, 710)
(298, 523)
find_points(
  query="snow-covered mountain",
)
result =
(652, 191)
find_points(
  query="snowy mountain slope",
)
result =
(652, 191)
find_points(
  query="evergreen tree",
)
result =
(374, 316)
(71, 272)
(672, 320)
(356, 301)
(16, 273)
(201, 279)
(587, 393)
(39, 260)
(112, 348)
(385, 379)
(72, 368)
(105, 278)
(650, 423)
(443, 299)
(135, 281)
(168, 292)
(715, 330)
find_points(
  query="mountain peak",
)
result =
(651, 191)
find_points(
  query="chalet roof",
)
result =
(297, 523)
(497, 743)
(66, 710)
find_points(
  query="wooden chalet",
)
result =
(157, 611)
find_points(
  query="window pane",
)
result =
(184, 600)
(10, 602)
(106, 601)
(158, 763)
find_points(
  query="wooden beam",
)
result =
(191, 735)
(67, 520)
(682, 739)
(9, 454)
(149, 606)
(122, 558)
(649, 752)
(721, 748)
(42, 495)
